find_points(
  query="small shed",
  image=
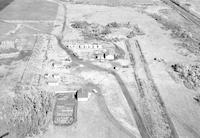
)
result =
(83, 95)
(53, 82)
(110, 57)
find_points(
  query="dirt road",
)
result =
(142, 129)
(159, 123)
(125, 91)
(183, 12)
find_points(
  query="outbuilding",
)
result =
(110, 57)
(53, 83)
(83, 95)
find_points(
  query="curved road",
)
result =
(153, 90)
(140, 124)
(132, 105)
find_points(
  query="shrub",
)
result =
(26, 113)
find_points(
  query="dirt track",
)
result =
(95, 67)
(140, 124)
(152, 106)
(125, 91)
(183, 12)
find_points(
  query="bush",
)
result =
(105, 31)
(190, 74)
(26, 113)
(79, 24)
(113, 25)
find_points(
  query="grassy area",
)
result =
(29, 10)
(5, 28)
(115, 2)
(4, 3)
(25, 113)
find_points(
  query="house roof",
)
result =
(82, 94)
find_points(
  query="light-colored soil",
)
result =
(176, 97)
(192, 5)
(114, 99)
(156, 43)
(92, 122)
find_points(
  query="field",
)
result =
(137, 59)
(25, 10)
(115, 2)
